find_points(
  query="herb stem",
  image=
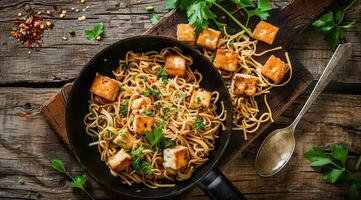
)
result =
(88, 194)
(351, 4)
(234, 19)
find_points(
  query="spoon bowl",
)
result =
(277, 149)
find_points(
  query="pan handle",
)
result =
(218, 187)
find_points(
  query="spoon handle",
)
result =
(338, 59)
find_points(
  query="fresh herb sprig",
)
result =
(78, 181)
(156, 137)
(333, 167)
(93, 34)
(199, 124)
(138, 164)
(151, 92)
(331, 25)
(162, 74)
(199, 12)
(154, 17)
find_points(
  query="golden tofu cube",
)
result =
(176, 158)
(208, 38)
(200, 98)
(138, 103)
(226, 60)
(243, 84)
(126, 142)
(175, 65)
(120, 161)
(265, 32)
(275, 69)
(185, 33)
(105, 87)
(141, 124)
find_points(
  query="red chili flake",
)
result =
(26, 114)
(99, 110)
(31, 30)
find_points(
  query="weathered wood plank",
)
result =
(27, 145)
(124, 19)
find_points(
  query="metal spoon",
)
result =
(278, 147)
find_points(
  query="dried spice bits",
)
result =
(30, 30)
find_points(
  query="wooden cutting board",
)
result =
(292, 21)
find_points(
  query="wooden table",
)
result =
(27, 80)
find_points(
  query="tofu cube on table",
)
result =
(226, 60)
(175, 158)
(208, 38)
(275, 69)
(186, 34)
(200, 98)
(105, 87)
(244, 84)
(265, 32)
(175, 65)
(120, 161)
(141, 124)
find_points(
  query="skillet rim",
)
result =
(212, 163)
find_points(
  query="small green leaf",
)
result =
(154, 18)
(353, 192)
(333, 175)
(58, 165)
(199, 124)
(79, 182)
(171, 4)
(351, 24)
(339, 16)
(21, 181)
(318, 23)
(244, 3)
(158, 106)
(319, 162)
(339, 152)
(92, 34)
(315, 152)
(182, 95)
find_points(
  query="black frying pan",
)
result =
(208, 177)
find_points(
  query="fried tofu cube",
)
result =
(175, 65)
(200, 98)
(208, 38)
(226, 60)
(176, 158)
(185, 33)
(141, 124)
(138, 103)
(105, 87)
(275, 69)
(126, 142)
(265, 32)
(120, 161)
(244, 84)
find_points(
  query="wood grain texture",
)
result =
(123, 19)
(27, 145)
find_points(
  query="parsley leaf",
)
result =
(154, 17)
(339, 152)
(163, 75)
(139, 165)
(171, 4)
(263, 6)
(332, 27)
(333, 175)
(149, 113)
(124, 109)
(166, 115)
(92, 34)
(151, 92)
(79, 182)
(199, 124)
(199, 13)
(58, 165)
(158, 106)
(156, 136)
(183, 95)
(331, 171)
